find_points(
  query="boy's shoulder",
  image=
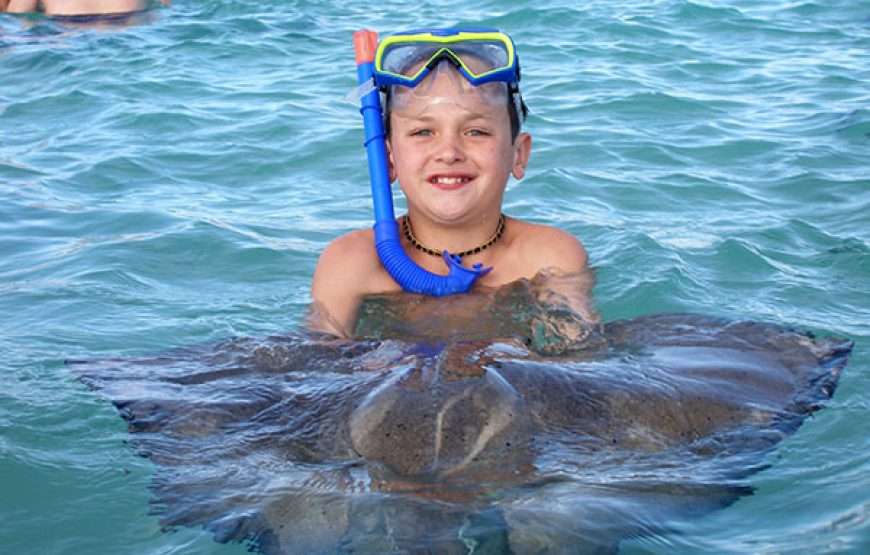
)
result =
(351, 241)
(347, 271)
(351, 262)
(543, 246)
(354, 251)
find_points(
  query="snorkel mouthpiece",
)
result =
(411, 277)
(415, 279)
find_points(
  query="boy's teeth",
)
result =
(450, 180)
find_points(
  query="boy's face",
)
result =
(450, 146)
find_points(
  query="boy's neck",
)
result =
(455, 238)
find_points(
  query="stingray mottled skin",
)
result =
(390, 445)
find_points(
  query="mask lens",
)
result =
(445, 85)
(481, 57)
(478, 56)
(407, 59)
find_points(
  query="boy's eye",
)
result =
(478, 132)
(421, 132)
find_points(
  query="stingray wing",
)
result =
(232, 426)
(665, 425)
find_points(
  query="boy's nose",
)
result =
(449, 151)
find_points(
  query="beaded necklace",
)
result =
(409, 235)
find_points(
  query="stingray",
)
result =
(296, 444)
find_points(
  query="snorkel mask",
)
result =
(397, 69)
(481, 56)
(479, 62)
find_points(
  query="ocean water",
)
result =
(171, 180)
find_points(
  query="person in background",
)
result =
(76, 7)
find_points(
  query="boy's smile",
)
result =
(449, 182)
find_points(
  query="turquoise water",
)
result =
(172, 183)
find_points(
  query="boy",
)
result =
(452, 146)
(76, 7)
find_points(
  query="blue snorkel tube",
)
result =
(398, 264)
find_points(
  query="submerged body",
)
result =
(400, 444)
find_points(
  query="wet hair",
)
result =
(517, 112)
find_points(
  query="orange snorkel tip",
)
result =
(365, 44)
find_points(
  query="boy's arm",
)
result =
(20, 6)
(563, 290)
(339, 284)
(563, 275)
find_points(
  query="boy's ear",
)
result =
(390, 164)
(522, 151)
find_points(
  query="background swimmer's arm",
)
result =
(27, 6)
(20, 6)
